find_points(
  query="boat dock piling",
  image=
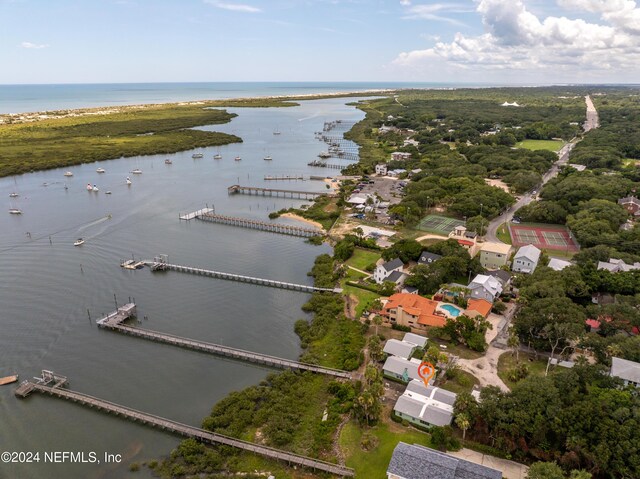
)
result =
(250, 190)
(202, 435)
(218, 349)
(160, 265)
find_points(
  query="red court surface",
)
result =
(549, 237)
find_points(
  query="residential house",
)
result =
(396, 173)
(413, 311)
(501, 275)
(425, 406)
(420, 462)
(416, 339)
(577, 167)
(631, 204)
(628, 371)
(428, 258)
(397, 278)
(558, 264)
(409, 289)
(494, 255)
(400, 156)
(617, 265)
(401, 349)
(381, 169)
(401, 369)
(478, 307)
(412, 142)
(485, 287)
(466, 239)
(526, 259)
(383, 271)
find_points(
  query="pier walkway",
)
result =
(283, 177)
(163, 266)
(219, 350)
(195, 214)
(322, 164)
(260, 225)
(185, 430)
(250, 190)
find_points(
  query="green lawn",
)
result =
(503, 234)
(455, 349)
(463, 382)
(551, 145)
(507, 362)
(364, 296)
(372, 464)
(362, 258)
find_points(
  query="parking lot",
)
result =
(389, 189)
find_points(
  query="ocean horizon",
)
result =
(46, 97)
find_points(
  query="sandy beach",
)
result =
(304, 220)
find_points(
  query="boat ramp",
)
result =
(54, 385)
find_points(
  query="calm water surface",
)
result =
(47, 285)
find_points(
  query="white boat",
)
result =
(95, 188)
(197, 155)
(325, 154)
(89, 187)
(268, 158)
(217, 156)
(100, 170)
(78, 242)
(128, 180)
(237, 158)
(68, 173)
(137, 171)
(168, 162)
(15, 211)
(13, 195)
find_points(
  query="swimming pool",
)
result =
(451, 309)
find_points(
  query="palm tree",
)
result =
(359, 232)
(463, 422)
(514, 343)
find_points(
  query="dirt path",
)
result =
(485, 368)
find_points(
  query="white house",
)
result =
(617, 265)
(381, 169)
(383, 271)
(628, 371)
(485, 287)
(526, 259)
(558, 264)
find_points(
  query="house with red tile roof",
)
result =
(478, 307)
(413, 311)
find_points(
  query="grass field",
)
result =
(463, 382)
(364, 297)
(362, 258)
(551, 145)
(372, 464)
(503, 234)
(507, 362)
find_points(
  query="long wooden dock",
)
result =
(322, 164)
(185, 430)
(250, 190)
(161, 266)
(261, 225)
(220, 350)
(283, 177)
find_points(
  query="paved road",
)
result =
(592, 115)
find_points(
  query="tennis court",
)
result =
(440, 225)
(549, 237)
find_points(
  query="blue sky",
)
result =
(495, 41)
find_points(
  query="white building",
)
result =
(400, 156)
(617, 265)
(558, 264)
(526, 259)
(628, 371)
(381, 169)
(485, 287)
(383, 271)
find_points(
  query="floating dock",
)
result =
(251, 190)
(113, 322)
(56, 389)
(157, 265)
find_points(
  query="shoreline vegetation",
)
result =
(53, 139)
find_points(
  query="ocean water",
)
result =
(48, 286)
(31, 98)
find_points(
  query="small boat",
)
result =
(197, 155)
(107, 192)
(128, 180)
(66, 187)
(68, 173)
(268, 158)
(168, 162)
(8, 380)
(237, 158)
(95, 188)
(78, 242)
(132, 264)
(100, 170)
(325, 154)
(13, 195)
(276, 132)
(217, 156)
(89, 187)
(15, 211)
(137, 171)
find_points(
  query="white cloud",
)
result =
(517, 39)
(33, 45)
(434, 11)
(234, 7)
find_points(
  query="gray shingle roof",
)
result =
(415, 339)
(419, 462)
(395, 276)
(427, 258)
(501, 275)
(624, 369)
(393, 264)
(397, 366)
(399, 348)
